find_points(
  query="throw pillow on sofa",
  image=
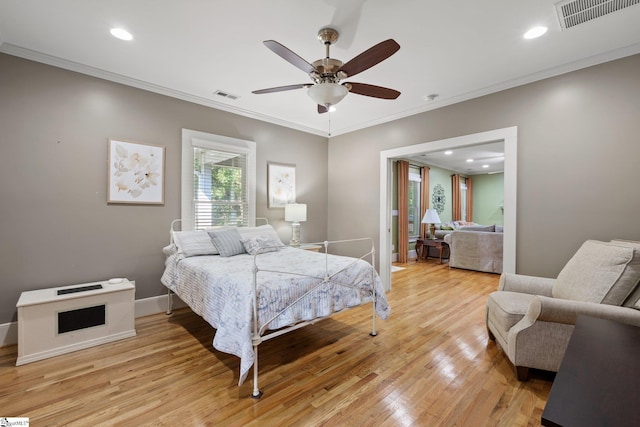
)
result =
(490, 228)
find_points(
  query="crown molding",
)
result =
(44, 58)
(612, 55)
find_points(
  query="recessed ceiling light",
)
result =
(535, 32)
(121, 34)
(485, 166)
(332, 108)
(469, 160)
(448, 153)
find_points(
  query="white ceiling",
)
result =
(190, 48)
(469, 160)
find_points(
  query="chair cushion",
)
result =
(633, 300)
(505, 309)
(599, 272)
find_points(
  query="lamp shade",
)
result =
(295, 212)
(327, 93)
(431, 217)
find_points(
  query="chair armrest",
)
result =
(558, 310)
(526, 284)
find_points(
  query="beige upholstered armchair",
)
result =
(532, 318)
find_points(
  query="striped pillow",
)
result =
(261, 231)
(227, 241)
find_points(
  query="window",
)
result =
(414, 202)
(218, 181)
(463, 198)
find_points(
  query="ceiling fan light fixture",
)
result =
(327, 94)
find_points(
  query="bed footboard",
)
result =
(260, 334)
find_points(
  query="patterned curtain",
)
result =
(403, 211)
(469, 201)
(455, 196)
(424, 198)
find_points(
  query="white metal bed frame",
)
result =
(259, 334)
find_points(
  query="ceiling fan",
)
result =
(327, 73)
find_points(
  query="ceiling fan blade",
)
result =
(322, 109)
(373, 91)
(370, 57)
(288, 55)
(282, 88)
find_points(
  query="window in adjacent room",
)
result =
(463, 198)
(414, 202)
(218, 181)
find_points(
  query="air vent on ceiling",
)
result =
(229, 95)
(576, 12)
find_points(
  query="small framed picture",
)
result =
(281, 184)
(135, 173)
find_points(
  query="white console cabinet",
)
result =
(60, 320)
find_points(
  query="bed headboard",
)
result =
(176, 225)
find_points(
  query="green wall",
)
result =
(488, 198)
(443, 177)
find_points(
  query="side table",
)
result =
(597, 383)
(423, 245)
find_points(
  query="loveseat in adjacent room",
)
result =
(478, 248)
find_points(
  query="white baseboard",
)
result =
(143, 307)
(8, 334)
(410, 255)
(155, 305)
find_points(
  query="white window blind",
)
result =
(219, 188)
(218, 185)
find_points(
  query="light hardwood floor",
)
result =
(430, 365)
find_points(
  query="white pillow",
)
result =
(261, 231)
(261, 244)
(194, 243)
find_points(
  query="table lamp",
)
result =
(431, 217)
(295, 213)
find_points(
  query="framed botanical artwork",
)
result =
(135, 173)
(281, 184)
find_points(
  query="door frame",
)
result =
(507, 135)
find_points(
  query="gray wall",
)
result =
(578, 154)
(55, 225)
(577, 168)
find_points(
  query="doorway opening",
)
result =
(509, 136)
